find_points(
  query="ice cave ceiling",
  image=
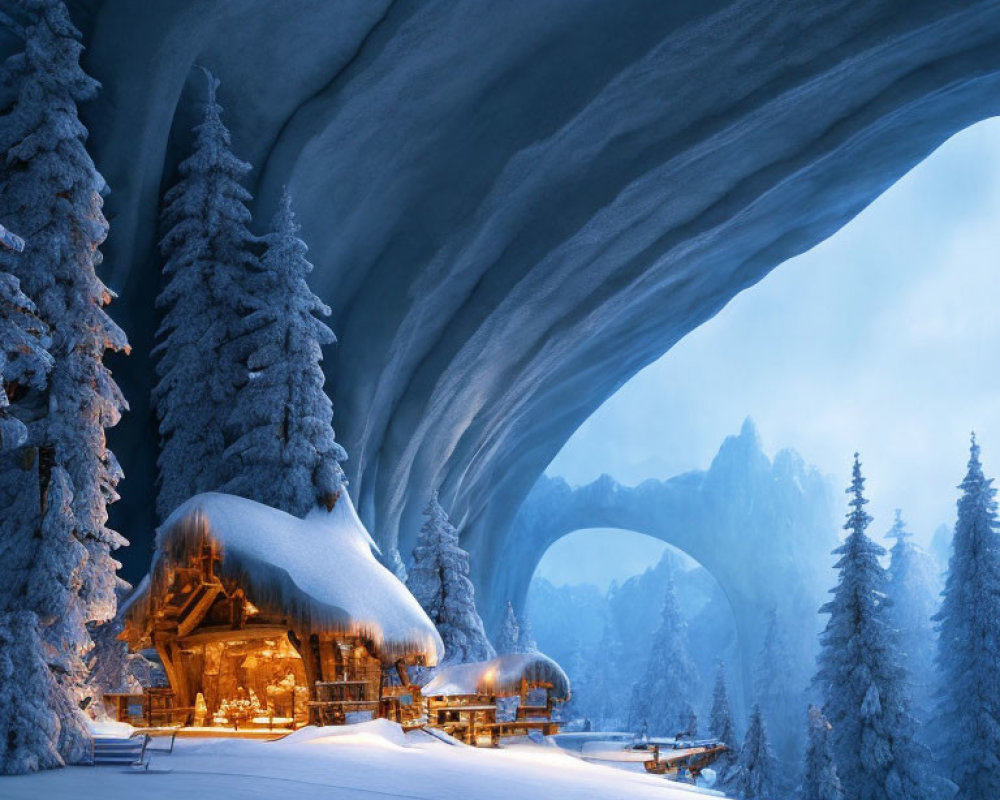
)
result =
(514, 206)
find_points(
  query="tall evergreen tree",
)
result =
(211, 269)
(721, 722)
(58, 572)
(282, 420)
(510, 632)
(913, 590)
(29, 727)
(969, 644)
(863, 684)
(661, 698)
(819, 778)
(778, 699)
(755, 774)
(24, 359)
(608, 688)
(581, 701)
(440, 582)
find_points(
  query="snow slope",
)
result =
(371, 760)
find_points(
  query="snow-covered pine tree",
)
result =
(510, 632)
(53, 580)
(282, 420)
(779, 701)
(755, 774)
(863, 684)
(662, 695)
(24, 358)
(969, 644)
(110, 661)
(720, 724)
(608, 689)
(44, 608)
(29, 728)
(439, 580)
(525, 640)
(580, 701)
(819, 778)
(55, 488)
(913, 590)
(210, 270)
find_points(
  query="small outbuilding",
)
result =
(262, 619)
(463, 699)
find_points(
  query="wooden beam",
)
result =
(226, 633)
(175, 675)
(194, 611)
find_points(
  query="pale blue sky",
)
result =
(884, 338)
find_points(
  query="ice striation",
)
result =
(513, 207)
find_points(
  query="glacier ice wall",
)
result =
(515, 206)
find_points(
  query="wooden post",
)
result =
(239, 608)
(175, 675)
(314, 665)
(403, 672)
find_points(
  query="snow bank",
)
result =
(355, 763)
(117, 730)
(374, 733)
(320, 570)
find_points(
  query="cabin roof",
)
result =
(501, 675)
(318, 571)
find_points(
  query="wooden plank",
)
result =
(194, 612)
(323, 684)
(225, 632)
(341, 703)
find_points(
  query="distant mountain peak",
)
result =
(749, 430)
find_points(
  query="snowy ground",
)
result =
(371, 760)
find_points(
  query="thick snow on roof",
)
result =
(501, 675)
(320, 570)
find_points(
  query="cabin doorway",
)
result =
(245, 682)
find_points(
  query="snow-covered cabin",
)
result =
(262, 618)
(463, 699)
(508, 675)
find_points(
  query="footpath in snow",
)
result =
(370, 760)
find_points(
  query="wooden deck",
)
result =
(230, 733)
